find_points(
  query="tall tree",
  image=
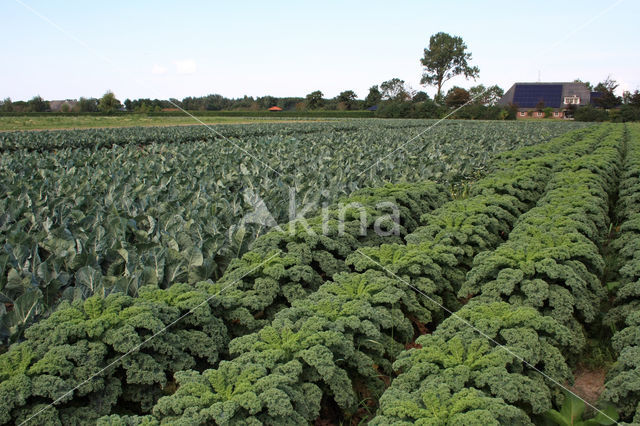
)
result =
(608, 99)
(373, 98)
(37, 104)
(314, 100)
(394, 90)
(634, 99)
(87, 105)
(586, 83)
(420, 97)
(348, 98)
(6, 105)
(456, 97)
(487, 96)
(446, 57)
(108, 102)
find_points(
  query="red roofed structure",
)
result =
(275, 108)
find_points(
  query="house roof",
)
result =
(275, 108)
(529, 95)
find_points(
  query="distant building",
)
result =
(57, 106)
(532, 98)
(275, 108)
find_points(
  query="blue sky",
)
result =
(165, 49)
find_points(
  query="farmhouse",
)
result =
(64, 105)
(532, 99)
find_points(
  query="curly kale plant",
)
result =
(91, 356)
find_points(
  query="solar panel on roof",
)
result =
(530, 95)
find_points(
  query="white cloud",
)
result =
(158, 69)
(188, 66)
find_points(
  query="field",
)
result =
(50, 122)
(458, 278)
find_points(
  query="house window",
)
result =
(556, 114)
(523, 113)
(538, 114)
(572, 100)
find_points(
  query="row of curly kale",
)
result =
(345, 336)
(73, 357)
(483, 365)
(622, 387)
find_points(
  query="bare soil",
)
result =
(589, 384)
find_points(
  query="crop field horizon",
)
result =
(74, 122)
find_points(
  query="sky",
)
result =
(165, 49)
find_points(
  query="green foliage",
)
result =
(589, 113)
(552, 261)
(92, 355)
(573, 409)
(108, 103)
(344, 336)
(307, 257)
(73, 224)
(314, 100)
(347, 98)
(457, 97)
(445, 58)
(553, 244)
(315, 329)
(37, 104)
(486, 96)
(622, 387)
(441, 405)
(373, 97)
(458, 358)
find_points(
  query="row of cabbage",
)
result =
(622, 387)
(505, 356)
(176, 205)
(106, 138)
(73, 357)
(336, 346)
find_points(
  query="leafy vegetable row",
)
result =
(622, 387)
(341, 340)
(499, 359)
(87, 338)
(107, 138)
(164, 205)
